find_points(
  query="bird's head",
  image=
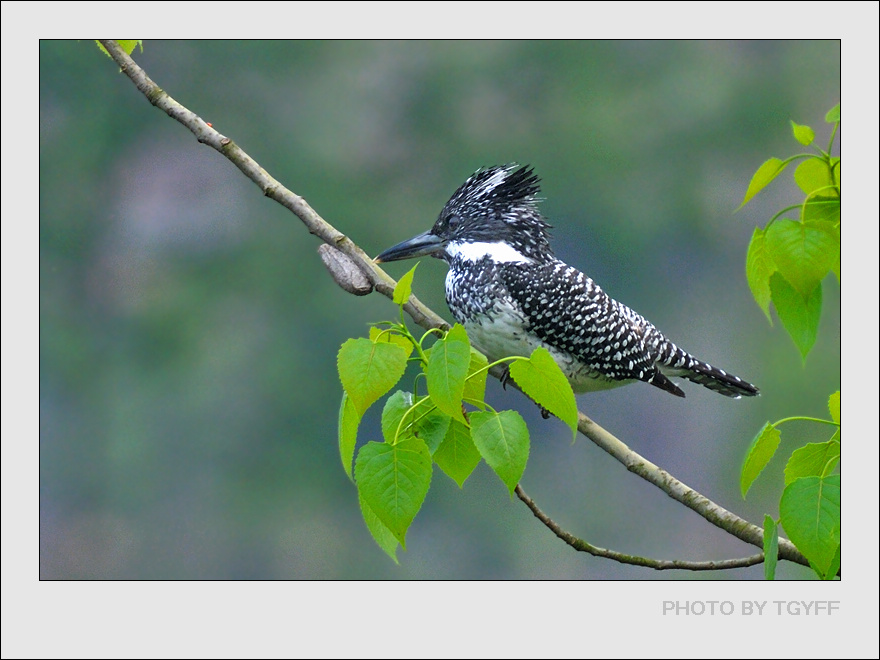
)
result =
(493, 214)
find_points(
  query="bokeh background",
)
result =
(188, 331)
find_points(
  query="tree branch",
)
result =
(658, 564)
(426, 318)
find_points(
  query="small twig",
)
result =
(658, 564)
(422, 315)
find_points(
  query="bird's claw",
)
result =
(505, 376)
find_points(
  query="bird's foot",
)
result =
(505, 376)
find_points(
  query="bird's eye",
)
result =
(453, 222)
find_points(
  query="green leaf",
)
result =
(771, 548)
(833, 115)
(431, 427)
(457, 455)
(834, 406)
(814, 459)
(764, 446)
(397, 405)
(128, 45)
(823, 210)
(541, 379)
(475, 385)
(803, 134)
(813, 175)
(391, 337)
(381, 534)
(810, 512)
(421, 422)
(759, 268)
(447, 369)
(831, 574)
(349, 420)
(368, 370)
(799, 314)
(503, 441)
(403, 289)
(394, 480)
(803, 252)
(768, 171)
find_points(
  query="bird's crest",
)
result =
(497, 191)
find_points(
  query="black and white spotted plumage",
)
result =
(512, 294)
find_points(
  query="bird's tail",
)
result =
(717, 380)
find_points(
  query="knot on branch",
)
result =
(344, 270)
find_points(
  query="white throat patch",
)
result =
(497, 252)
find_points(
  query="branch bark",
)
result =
(427, 318)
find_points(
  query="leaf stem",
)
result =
(807, 419)
(409, 411)
(489, 367)
(477, 403)
(785, 210)
(833, 134)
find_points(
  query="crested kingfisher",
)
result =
(511, 293)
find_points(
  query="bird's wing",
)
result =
(568, 311)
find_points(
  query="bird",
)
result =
(512, 294)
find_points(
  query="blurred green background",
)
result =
(188, 331)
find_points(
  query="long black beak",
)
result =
(419, 246)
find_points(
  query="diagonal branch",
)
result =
(421, 314)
